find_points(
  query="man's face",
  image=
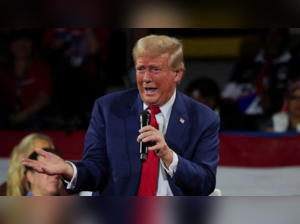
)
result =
(209, 101)
(43, 184)
(156, 81)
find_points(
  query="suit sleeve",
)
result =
(93, 170)
(198, 176)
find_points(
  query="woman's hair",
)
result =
(155, 45)
(16, 180)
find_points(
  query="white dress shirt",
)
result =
(163, 187)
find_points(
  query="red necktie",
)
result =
(148, 182)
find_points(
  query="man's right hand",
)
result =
(50, 164)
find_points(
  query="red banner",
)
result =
(235, 149)
(259, 151)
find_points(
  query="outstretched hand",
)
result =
(50, 164)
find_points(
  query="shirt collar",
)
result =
(167, 106)
(29, 193)
(284, 57)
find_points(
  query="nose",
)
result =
(147, 77)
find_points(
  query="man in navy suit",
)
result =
(183, 135)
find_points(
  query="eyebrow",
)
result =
(150, 65)
(155, 65)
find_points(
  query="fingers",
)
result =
(41, 152)
(147, 131)
(147, 128)
(151, 138)
(36, 165)
(145, 134)
(154, 148)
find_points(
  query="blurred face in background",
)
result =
(38, 143)
(21, 48)
(42, 184)
(293, 103)
(209, 101)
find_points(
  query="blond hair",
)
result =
(16, 181)
(155, 45)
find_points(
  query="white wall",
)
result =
(4, 163)
(259, 182)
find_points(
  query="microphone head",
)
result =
(145, 117)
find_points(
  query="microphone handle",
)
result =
(143, 149)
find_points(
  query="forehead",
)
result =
(41, 143)
(162, 59)
(40, 158)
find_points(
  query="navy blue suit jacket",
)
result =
(110, 164)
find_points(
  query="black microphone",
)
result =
(144, 121)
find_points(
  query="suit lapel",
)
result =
(177, 124)
(132, 124)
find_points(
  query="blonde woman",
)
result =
(16, 183)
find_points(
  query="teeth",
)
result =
(150, 90)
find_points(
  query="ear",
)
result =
(178, 75)
(29, 176)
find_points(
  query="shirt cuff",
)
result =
(172, 167)
(71, 184)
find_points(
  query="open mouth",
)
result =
(150, 90)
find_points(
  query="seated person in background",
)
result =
(25, 84)
(258, 85)
(289, 118)
(78, 57)
(206, 91)
(16, 182)
(42, 184)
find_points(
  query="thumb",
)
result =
(41, 152)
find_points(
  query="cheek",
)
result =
(139, 78)
(43, 177)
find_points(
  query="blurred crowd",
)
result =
(50, 78)
(263, 92)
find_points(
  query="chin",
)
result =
(54, 191)
(150, 103)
